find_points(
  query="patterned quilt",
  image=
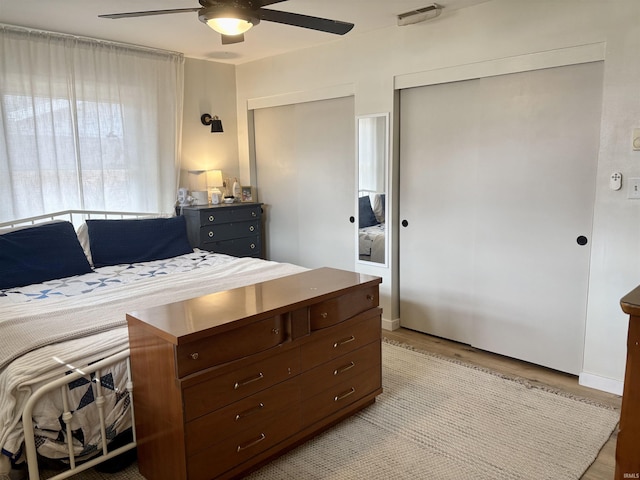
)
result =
(48, 328)
(111, 276)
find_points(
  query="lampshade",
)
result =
(214, 178)
(216, 125)
(197, 181)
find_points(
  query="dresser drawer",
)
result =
(231, 345)
(219, 390)
(340, 369)
(249, 413)
(340, 395)
(224, 214)
(340, 340)
(242, 446)
(335, 310)
(239, 247)
(216, 233)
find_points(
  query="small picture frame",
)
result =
(247, 194)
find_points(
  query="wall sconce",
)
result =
(215, 122)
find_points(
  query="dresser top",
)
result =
(222, 205)
(196, 318)
(630, 303)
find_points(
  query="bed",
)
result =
(371, 227)
(64, 371)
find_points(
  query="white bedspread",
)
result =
(40, 339)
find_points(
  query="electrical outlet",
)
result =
(634, 188)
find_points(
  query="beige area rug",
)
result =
(440, 419)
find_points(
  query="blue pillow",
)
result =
(366, 217)
(40, 253)
(116, 242)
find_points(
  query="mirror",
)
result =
(372, 154)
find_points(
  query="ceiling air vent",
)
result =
(419, 15)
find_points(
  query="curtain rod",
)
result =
(126, 46)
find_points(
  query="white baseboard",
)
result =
(601, 383)
(390, 324)
(585, 379)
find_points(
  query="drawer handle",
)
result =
(251, 443)
(253, 245)
(194, 356)
(324, 314)
(344, 395)
(250, 411)
(275, 331)
(211, 218)
(210, 234)
(251, 228)
(254, 214)
(343, 341)
(344, 368)
(369, 297)
(247, 381)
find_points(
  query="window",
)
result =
(86, 124)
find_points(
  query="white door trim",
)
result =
(592, 52)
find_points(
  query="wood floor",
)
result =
(604, 466)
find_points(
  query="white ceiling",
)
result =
(183, 32)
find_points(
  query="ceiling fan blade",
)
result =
(264, 3)
(148, 12)
(306, 21)
(229, 39)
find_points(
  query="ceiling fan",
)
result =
(232, 18)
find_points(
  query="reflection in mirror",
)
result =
(372, 187)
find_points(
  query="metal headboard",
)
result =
(76, 217)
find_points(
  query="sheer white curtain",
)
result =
(86, 124)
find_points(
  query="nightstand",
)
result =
(234, 229)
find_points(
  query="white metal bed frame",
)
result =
(76, 217)
(67, 415)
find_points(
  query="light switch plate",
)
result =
(633, 188)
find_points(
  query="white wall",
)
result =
(477, 36)
(209, 88)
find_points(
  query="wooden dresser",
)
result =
(628, 444)
(234, 229)
(226, 382)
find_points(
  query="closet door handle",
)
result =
(405, 223)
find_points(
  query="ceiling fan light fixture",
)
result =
(229, 26)
(228, 21)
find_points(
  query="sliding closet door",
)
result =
(305, 167)
(500, 209)
(438, 161)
